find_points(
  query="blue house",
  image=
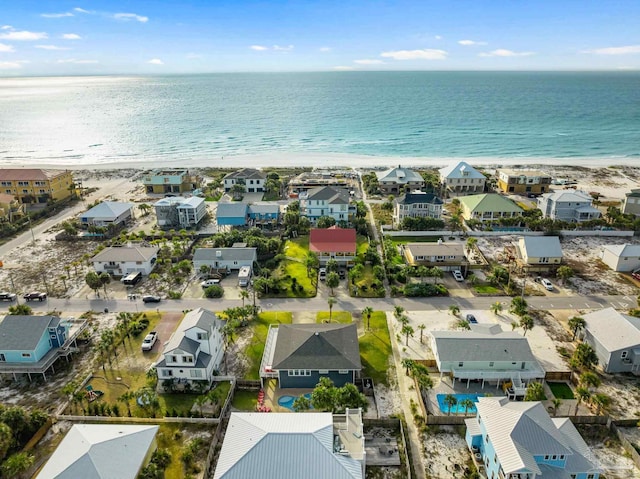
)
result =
(264, 213)
(31, 344)
(298, 355)
(232, 214)
(518, 440)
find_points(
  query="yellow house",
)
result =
(10, 208)
(34, 185)
(523, 182)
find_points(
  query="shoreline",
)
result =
(327, 160)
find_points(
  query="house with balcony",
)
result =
(631, 202)
(447, 256)
(123, 260)
(539, 253)
(107, 213)
(231, 259)
(11, 208)
(416, 205)
(568, 205)
(321, 445)
(462, 178)
(298, 355)
(326, 201)
(251, 179)
(519, 440)
(523, 182)
(398, 180)
(488, 208)
(621, 257)
(486, 353)
(263, 214)
(615, 337)
(35, 185)
(171, 181)
(195, 350)
(232, 214)
(180, 212)
(334, 243)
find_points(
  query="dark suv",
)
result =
(35, 296)
(7, 297)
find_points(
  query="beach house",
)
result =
(231, 259)
(568, 205)
(488, 208)
(334, 243)
(447, 256)
(263, 214)
(539, 253)
(523, 182)
(107, 213)
(171, 181)
(631, 202)
(232, 214)
(35, 185)
(123, 260)
(251, 179)
(11, 208)
(462, 178)
(621, 257)
(180, 212)
(398, 180)
(326, 201)
(416, 205)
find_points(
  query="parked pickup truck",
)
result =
(35, 296)
(7, 297)
(149, 340)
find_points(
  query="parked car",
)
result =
(209, 282)
(151, 299)
(471, 319)
(149, 340)
(35, 296)
(457, 275)
(547, 284)
(8, 296)
(322, 273)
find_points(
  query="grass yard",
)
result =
(398, 240)
(245, 400)
(172, 438)
(336, 317)
(364, 284)
(362, 245)
(375, 348)
(293, 270)
(487, 289)
(297, 248)
(561, 390)
(260, 327)
(382, 216)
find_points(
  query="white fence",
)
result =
(447, 234)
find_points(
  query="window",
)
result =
(546, 458)
(187, 359)
(173, 359)
(561, 457)
(299, 372)
(195, 373)
(323, 371)
(343, 371)
(486, 438)
(26, 355)
(2, 358)
(495, 458)
(624, 354)
(460, 364)
(491, 364)
(554, 457)
(167, 372)
(202, 336)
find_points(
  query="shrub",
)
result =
(425, 289)
(215, 291)
(174, 294)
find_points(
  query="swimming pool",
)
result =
(458, 409)
(287, 401)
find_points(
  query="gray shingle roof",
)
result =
(413, 198)
(317, 346)
(399, 175)
(200, 318)
(126, 253)
(246, 173)
(329, 193)
(542, 246)
(231, 210)
(22, 333)
(435, 249)
(226, 254)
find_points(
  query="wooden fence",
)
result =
(138, 420)
(557, 375)
(635, 457)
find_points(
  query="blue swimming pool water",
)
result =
(287, 401)
(457, 409)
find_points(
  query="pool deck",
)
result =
(272, 393)
(443, 386)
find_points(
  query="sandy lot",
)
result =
(446, 453)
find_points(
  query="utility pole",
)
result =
(524, 282)
(13, 287)
(33, 236)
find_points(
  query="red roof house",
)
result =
(333, 243)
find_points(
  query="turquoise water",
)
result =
(83, 120)
(458, 409)
(287, 401)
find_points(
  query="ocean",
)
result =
(261, 119)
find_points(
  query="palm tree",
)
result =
(466, 403)
(366, 313)
(583, 394)
(450, 400)
(331, 301)
(519, 306)
(454, 309)
(421, 327)
(403, 320)
(126, 398)
(407, 330)
(601, 402)
(535, 392)
(398, 311)
(422, 271)
(575, 324)
(496, 308)
(589, 380)
(526, 323)
(244, 294)
(556, 404)
(408, 364)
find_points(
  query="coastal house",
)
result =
(102, 451)
(462, 178)
(253, 180)
(334, 243)
(416, 205)
(107, 213)
(615, 337)
(263, 214)
(326, 201)
(398, 180)
(291, 446)
(631, 202)
(180, 212)
(298, 355)
(35, 185)
(621, 257)
(488, 208)
(232, 214)
(447, 256)
(539, 253)
(231, 259)
(518, 440)
(486, 353)
(123, 260)
(523, 182)
(308, 180)
(32, 344)
(195, 350)
(11, 208)
(171, 181)
(568, 205)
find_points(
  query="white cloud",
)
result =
(258, 48)
(4, 48)
(438, 37)
(627, 50)
(324, 49)
(425, 54)
(126, 17)
(368, 62)
(10, 65)
(155, 61)
(344, 68)
(23, 35)
(56, 15)
(278, 48)
(71, 36)
(467, 43)
(192, 56)
(77, 62)
(82, 10)
(501, 52)
(51, 47)
(6, 27)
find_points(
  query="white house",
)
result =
(180, 212)
(615, 337)
(621, 257)
(232, 258)
(326, 201)
(107, 213)
(539, 252)
(416, 205)
(195, 350)
(397, 180)
(573, 206)
(122, 260)
(462, 178)
(252, 179)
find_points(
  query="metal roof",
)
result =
(612, 329)
(226, 254)
(317, 346)
(435, 249)
(632, 250)
(332, 239)
(107, 209)
(100, 451)
(198, 318)
(262, 208)
(399, 175)
(568, 196)
(283, 446)
(489, 202)
(23, 333)
(458, 170)
(191, 202)
(231, 210)
(126, 253)
(541, 246)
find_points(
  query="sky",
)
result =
(46, 37)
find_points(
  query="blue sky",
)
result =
(102, 37)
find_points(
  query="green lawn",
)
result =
(260, 329)
(336, 317)
(364, 285)
(561, 390)
(362, 245)
(487, 289)
(398, 240)
(297, 248)
(294, 269)
(375, 348)
(245, 400)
